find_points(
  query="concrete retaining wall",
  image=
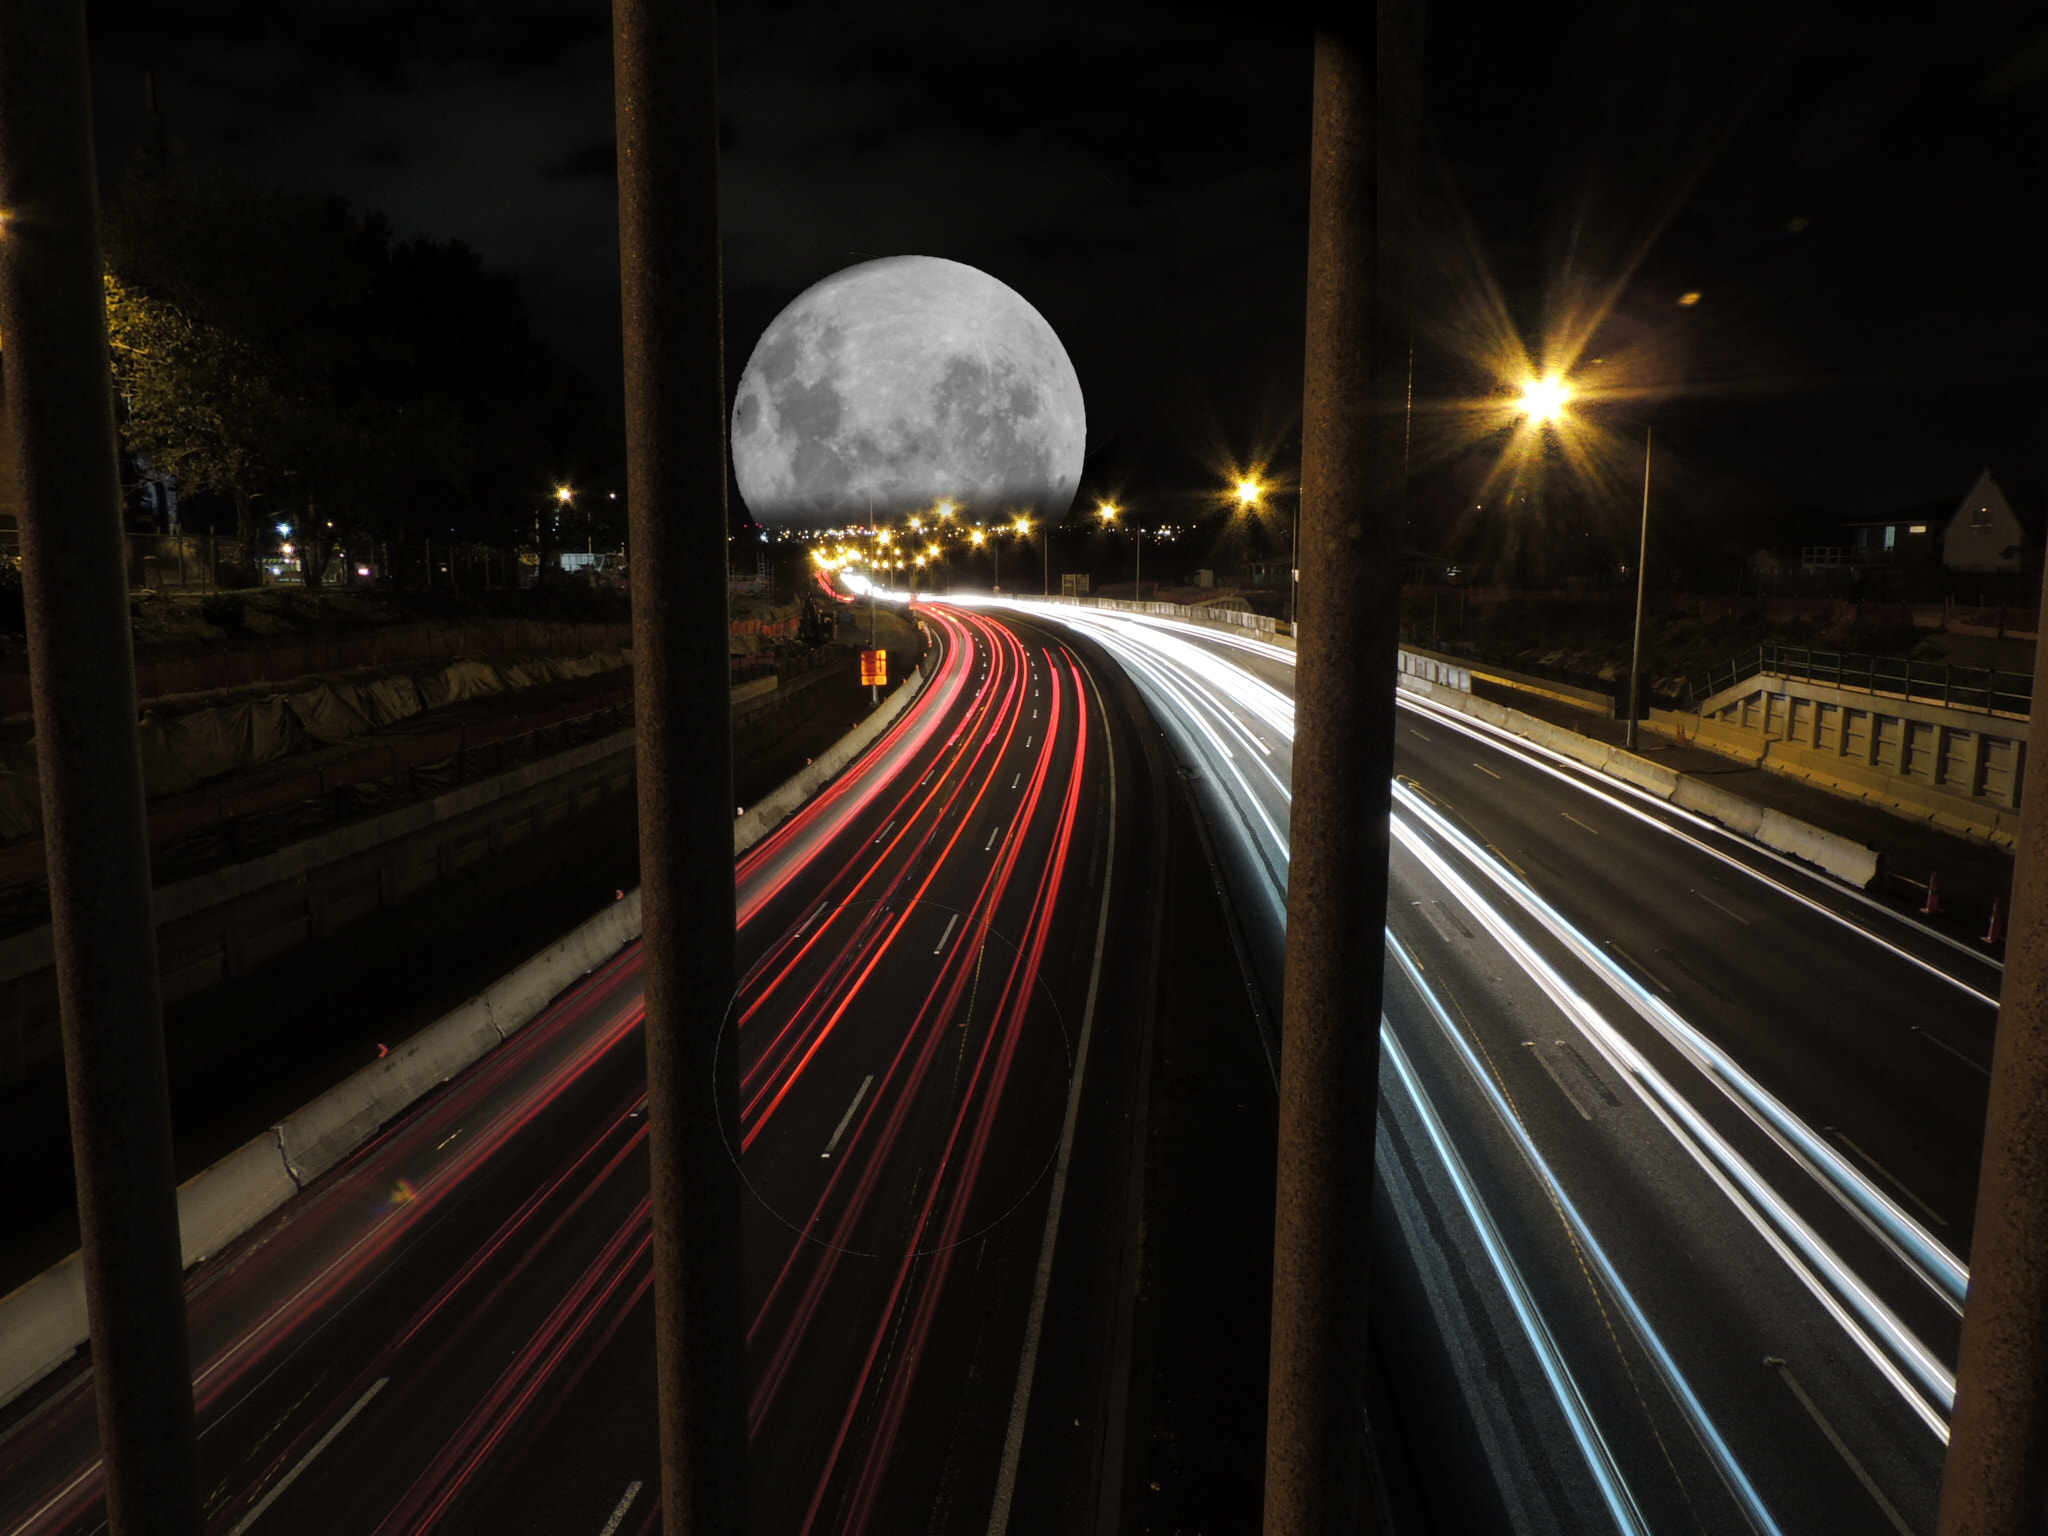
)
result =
(1959, 769)
(43, 1323)
(1848, 861)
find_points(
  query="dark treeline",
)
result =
(286, 356)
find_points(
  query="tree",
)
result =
(281, 347)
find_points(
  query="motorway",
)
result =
(1678, 1139)
(1677, 1156)
(938, 1070)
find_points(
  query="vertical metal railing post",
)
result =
(666, 78)
(1337, 884)
(82, 681)
(1995, 1480)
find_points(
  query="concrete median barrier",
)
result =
(1847, 861)
(347, 1115)
(219, 1205)
(41, 1326)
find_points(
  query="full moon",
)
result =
(902, 382)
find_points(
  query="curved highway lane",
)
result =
(1684, 1134)
(451, 1331)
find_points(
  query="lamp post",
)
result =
(1107, 511)
(1635, 655)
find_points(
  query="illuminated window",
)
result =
(1891, 536)
(1917, 528)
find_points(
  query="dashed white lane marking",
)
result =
(847, 1119)
(625, 1503)
(306, 1460)
(998, 832)
(951, 923)
(1703, 896)
(1568, 816)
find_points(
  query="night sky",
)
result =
(1856, 194)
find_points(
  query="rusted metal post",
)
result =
(1337, 881)
(665, 58)
(82, 681)
(1995, 1481)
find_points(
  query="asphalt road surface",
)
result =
(1678, 1138)
(939, 1071)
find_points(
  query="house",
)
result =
(1984, 532)
(1910, 538)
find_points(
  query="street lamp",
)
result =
(1635, 655)
(1023, 526)
(1543, 402)
(1109, 511)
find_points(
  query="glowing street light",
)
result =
(1249, 491)
(945, 510)
(564, 495)
(1107, 511)
(1545, 399)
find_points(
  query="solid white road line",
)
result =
(306, 1460)
(951, 923)
(847, 1119)
(625, 1503)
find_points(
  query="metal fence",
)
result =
(1929, 682)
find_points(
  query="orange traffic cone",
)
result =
(1933, 907)
(1995, 934)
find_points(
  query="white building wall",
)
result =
(1982, 531)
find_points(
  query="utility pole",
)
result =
(1635, 655)
(1995, 1479)
(665, 61)
(1337, 883)
(82, 681)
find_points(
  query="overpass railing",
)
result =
(1927, 682)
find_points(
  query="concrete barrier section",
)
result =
(219, 1205)
(41, 1326)
(1847, 861)
(1716, 804)
(346, 1116)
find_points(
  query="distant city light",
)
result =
(1689, 298)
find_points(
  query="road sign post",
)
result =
(874, 669)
